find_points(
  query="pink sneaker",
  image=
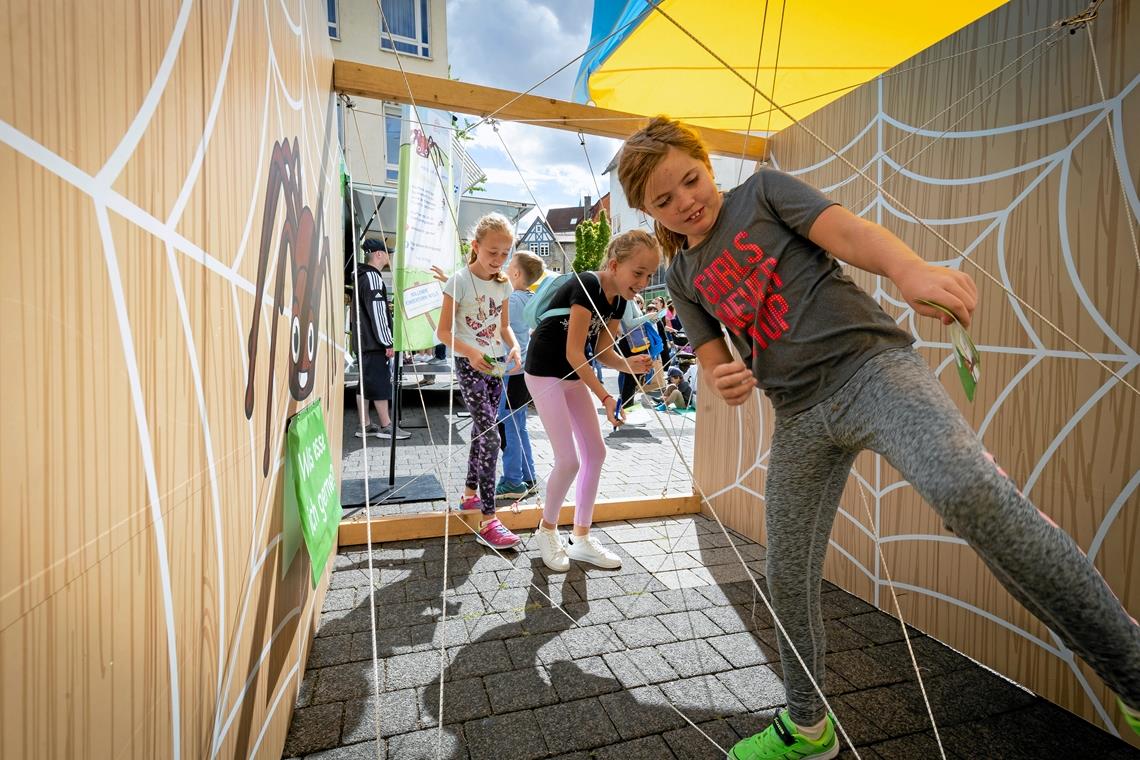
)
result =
(496, 535)
(470, 502)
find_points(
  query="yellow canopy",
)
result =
(812, 52)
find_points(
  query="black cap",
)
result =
(674, 372)
(372, 244)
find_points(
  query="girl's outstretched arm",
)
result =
(447, 337)
(872, 248)
(634, 365)
(514, 353)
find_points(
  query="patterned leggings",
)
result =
(481, 394)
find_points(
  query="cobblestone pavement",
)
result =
(605, 675)
(642, 459)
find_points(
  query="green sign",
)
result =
(426, 235)
(309, 475)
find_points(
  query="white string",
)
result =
(1047, 42)
(902, 622)
(1112, 147)
(364, 414)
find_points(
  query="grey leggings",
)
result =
(895, 406)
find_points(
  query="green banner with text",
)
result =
(313, 481)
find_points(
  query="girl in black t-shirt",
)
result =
(561, 380)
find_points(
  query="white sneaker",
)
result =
(551, 550)
(587, 549)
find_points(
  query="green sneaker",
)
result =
(509, 490)
(780, 742)
(1131, 717)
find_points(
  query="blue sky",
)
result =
(513, 44)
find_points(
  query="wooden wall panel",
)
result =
(1024, 180)
(144, 607)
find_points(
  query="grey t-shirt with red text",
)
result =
(803, 325)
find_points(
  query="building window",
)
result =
(334, 18)
(408, 23)
(544, 249)
(392, 117)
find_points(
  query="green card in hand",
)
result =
(969, 360)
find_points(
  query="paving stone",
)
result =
(1038, 731)
(450, 633)
(924, 745)
(689, 744)
(683, 599)
(337, 622)
(399, 713)
(514, 736)
(597, 588)
(640, 712)
(547, 620)
(689, 625)
(753, 722)
(492, 626)
(410, 670)
(389, 642)
(361, 751)
(527, 651)
(422, 745)
(591, 640)
(640, 583)
(314, 728)
(863, 671)
(645, 632)
(840, 604)
(639, 605)
(731, 593)
(702, 697)
(647, 748)
(576, 725)
(463, 700)
(339, 599)
(732, 619)
(757, 687)
(308, 684)
(594, 611)
(639, 667)
(934, 658)
(743, 650)
(337, 683)
(481, 659)
(583, 678)
(693, 658)
(877, 627)
(519, 690)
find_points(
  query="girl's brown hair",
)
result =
(624, 245)
(640, 155)
(492, 222)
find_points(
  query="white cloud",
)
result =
(514, 44)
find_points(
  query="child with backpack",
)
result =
(475, 322)
(571, 313)
(524, 270)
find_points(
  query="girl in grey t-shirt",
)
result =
(757, 262)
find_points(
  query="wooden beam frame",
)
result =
(463, 97)
(430, 524)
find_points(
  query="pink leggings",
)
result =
(568, 414)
